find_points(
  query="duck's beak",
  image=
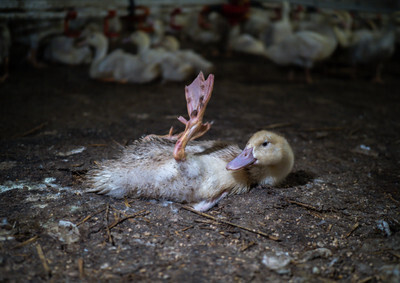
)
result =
(245, 158)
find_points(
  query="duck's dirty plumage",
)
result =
(148, 169)
(177, 168)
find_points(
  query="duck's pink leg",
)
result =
(198, 93)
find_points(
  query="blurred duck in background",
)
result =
(369, 46)
(62, 49)
(172, 45)
(118, 66)
(172, 67)
(306, 47)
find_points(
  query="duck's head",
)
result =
(159, 28)
(140, 38)
(170, 43)
(265, 155)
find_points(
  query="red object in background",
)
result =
(235, 12)
(277, 14)
(71, 15)
(296, 12)
(202, 19)
(142, 18)
(106, 27)
(138, 20)
(172, 23)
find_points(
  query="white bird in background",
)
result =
(366, 46)
(257, 22)
(171, 44)
(62, 49)
(278, 30)
(118, 66)
(172, 68)
(306, 47)
(199, 63)
(245, 43)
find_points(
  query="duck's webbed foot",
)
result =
(169, 136)
(198, 93)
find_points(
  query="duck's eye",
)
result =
(265, 143)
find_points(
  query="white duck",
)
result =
(257, 22)
(5, 44)
(367, 46)
(278, 30)
(62, 49)
(195, 32)
(203, 174)
(199, 63)
(118, 66)
(304, 48)
(245, 43)
(171, 44)
(172, 67)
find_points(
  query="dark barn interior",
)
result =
(325, 77)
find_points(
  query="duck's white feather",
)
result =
(210, 171)
(147, 169)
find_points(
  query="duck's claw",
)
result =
(169, 136)
(198, 93)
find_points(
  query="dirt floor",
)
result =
(335, 218)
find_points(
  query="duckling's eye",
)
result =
(265, 143)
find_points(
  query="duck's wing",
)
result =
(198, 93)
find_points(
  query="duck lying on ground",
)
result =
(201, 173)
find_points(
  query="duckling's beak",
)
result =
(244, 159)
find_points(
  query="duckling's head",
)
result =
(268, 157)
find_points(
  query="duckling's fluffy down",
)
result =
(147, 169)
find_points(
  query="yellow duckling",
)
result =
(197, 172)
